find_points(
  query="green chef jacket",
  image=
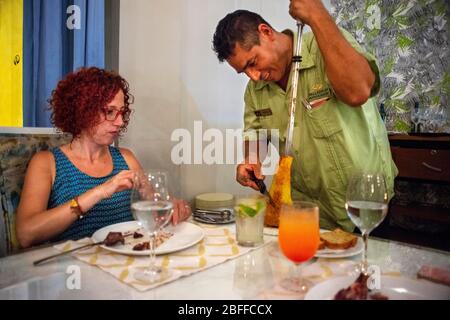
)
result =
(331, 142)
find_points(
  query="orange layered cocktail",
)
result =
(299, 231)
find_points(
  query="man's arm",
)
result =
(347, 70)
(252, 163)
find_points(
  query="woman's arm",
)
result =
(35, 223)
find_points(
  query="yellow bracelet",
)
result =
(75, 207)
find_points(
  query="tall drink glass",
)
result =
(299, 239)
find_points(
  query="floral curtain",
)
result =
(411, 42)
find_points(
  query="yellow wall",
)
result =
(11, 17)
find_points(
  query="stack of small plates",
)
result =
(214, 208)
(212, 201)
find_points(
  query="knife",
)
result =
(262, 188)
(38, 262)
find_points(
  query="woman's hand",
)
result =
(121, 181)
(181, 211)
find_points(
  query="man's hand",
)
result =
(306, 10)
(243, 174)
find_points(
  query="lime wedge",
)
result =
(259, 206)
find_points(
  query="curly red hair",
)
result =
(79, 98)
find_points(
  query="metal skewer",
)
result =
(295, 69)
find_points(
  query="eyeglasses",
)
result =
(112, 114)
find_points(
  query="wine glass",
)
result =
(298, 236)
(151, 206)
(367, 206)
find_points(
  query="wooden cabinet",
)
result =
(424, 164)
(420, 211)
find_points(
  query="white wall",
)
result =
(166, 55)
(149, 58)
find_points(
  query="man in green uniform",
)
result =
(338, 129)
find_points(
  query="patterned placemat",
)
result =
(218, 246)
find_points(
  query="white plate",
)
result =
(395, 288)
(184, 236)
(326, 253)
(271, 231)
(333, 253)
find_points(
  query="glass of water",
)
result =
(151, 206)
(367, 206)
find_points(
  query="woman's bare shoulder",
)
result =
(43, 156)
(130, 159)
(42, 160)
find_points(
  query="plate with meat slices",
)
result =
(130, 238)
(390, 288)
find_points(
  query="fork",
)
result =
(38, 262)
(225, 213)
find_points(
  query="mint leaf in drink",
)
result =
(247, 210)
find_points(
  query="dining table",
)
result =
(255, 275)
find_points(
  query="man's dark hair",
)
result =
(240, 26)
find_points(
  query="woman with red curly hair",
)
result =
(71, 191)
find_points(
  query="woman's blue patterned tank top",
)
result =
(71, 182)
